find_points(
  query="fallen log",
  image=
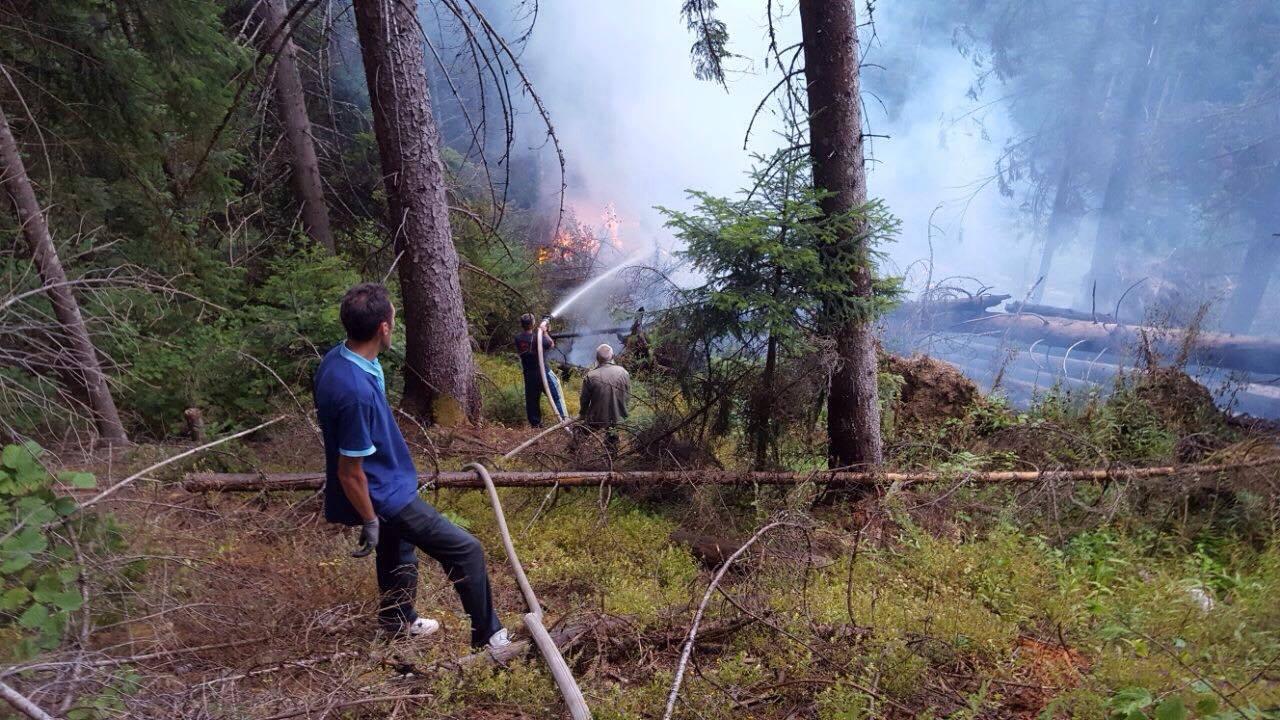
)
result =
(270, 482)
(969, 306)
(1058, 312)
(1241, 352)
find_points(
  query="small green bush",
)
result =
(38, 572)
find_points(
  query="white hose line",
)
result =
(560, 672)
(563, 423)
(530, 600)
(542, 373)
(568, 686)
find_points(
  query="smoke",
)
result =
(638, 129)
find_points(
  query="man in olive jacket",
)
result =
(605, 392)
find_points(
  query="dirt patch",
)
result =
(1042, 672)
(932, 390)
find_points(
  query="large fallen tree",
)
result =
(1240, 352)
(1059, 312)
(267, 482)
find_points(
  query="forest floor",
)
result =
(1100, 600)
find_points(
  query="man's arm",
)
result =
(355, 485)
(626, 392)
(584, 400)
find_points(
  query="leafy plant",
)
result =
(38, 573)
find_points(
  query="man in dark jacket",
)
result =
(527, 349)
(605, 392)
(370, 479)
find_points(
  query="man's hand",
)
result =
(368, 538)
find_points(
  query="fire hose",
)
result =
(560, 672)
(542, 370)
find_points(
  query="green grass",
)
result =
(967, 611)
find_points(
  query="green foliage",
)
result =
(128, 144)
(779, 275)
(235, 363)
(620, 567)
(502, 286)
(841, 702)
(38, 574)
(775, 264)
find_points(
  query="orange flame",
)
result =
(573, 242)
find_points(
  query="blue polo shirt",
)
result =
(356, 421)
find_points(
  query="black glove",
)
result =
(368, 538)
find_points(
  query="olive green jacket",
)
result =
(605, 392)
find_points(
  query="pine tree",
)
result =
(291, 104)
(439, 368)
(83, 372)
(830, 35)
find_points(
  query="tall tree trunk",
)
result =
(1260, 262)
(1106, 248)
(291, 103)
(762, 435)
(1063, 218)
(87, 376)
(439, 370)
(830, 33)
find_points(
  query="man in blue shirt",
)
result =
(370, 479)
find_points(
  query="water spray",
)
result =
(586, 287)
(559, 310)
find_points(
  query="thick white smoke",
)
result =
(638, 129)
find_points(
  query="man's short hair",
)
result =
(604, 353)
(364, 308)
(526, 321)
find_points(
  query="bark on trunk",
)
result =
(439, 368)
(1061, 224)
(1060, 312)
(1063, 218)
(830, 34)
(1106, 248)
(87, 375)
(1255, 274)
(763, 431)
(291, 102)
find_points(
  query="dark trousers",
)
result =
(419, 527)
(533, 396)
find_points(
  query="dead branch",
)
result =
(702, 607)
(102, 495)
(22, 704)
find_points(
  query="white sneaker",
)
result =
(422, 627)
(499, 639)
